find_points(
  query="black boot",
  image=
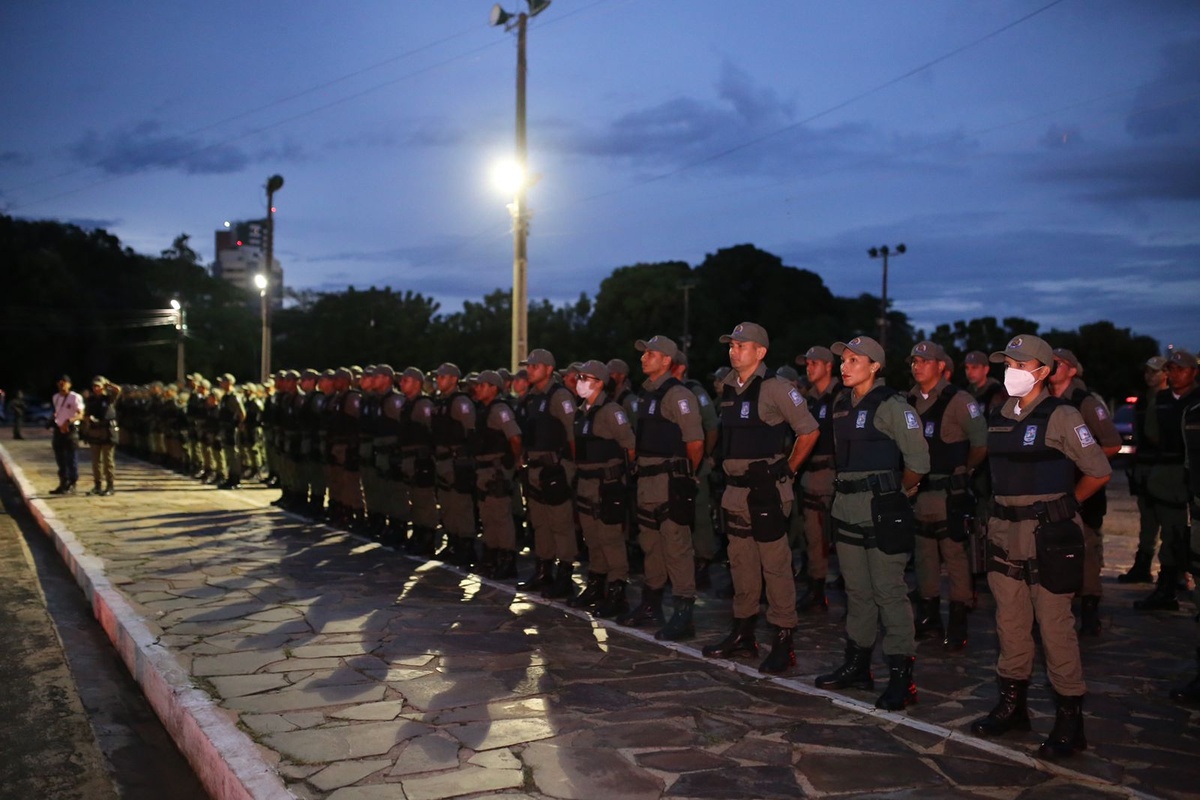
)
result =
(956, 626)
(562, 587)
(614, 603)
(813, 598)
(543, 576)
(1010, 714)
(506, 565)
(1066, 739)
(1089, 615)
(929, 619)
(96, 489)
(464, 551)
(854, 673)
(901, 692)
(781, 656)
(679, 628)
(703, 579)
(487, 563)
(1163, 597)
(648, 612)
(1189, 693)
(740, 640)
(1140, 571)
(592, 593)
(108, 489)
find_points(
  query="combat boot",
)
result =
(901, 692)
(506, 565)
(562, 587)
(928, 623)
(956, 626)
(487, 563)
(96, 490)
(108, 489)
(854, 673)
(648, 612)
(679, 628)
(740, 640)
(703, 578)
(1089, 615)
(782, 655)
(1066, 738)
(1010, 714)
(813, 598)
(1140, 571)
(614, 603)
(1163, 597)
(1189, 693)
(543, 576)
(592, 593)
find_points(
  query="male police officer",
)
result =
(759, 416)
(704, 537)
(453, 425)
(881, 456)
(956, 432)
(1045, 463)
(816, 477)
(1066, 382)
(417, 503)
(1155, 376)
(496, 444)
(670, 446)
(231, 415)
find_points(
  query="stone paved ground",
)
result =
(361, 674)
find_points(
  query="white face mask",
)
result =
(1018, 382)
(585, 387)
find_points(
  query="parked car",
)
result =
(1123, 420)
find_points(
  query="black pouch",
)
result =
(1060, 556)
(1092, 510)
(424, 473)
(499, 485)
(464, 476)
(767, 522)
(613, 509)
(553, 485)
(960, 515)
(681, 500)
(894, 522)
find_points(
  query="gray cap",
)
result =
(659, 344)
(492, 377)
(449, 369)
(930, 351)
(1156, 363)
(1181, 358)
(863, 346)
(681, 358)
(383, 370)
(721, 372)
(748, 332)
(1067, 357)
(227, 377)
(787, 373)
(504, 373)
(618, 365)
(816, 353)
(1025, 347)
(413, 372)
(539, 356)
(594, 368)
(976, 358)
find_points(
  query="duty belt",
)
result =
(879, 483)
(777, 470)
(678, 466)
(1044, 510)
(610, 473)
(819, 462)
(957, 482)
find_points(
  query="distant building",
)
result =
(242, 253)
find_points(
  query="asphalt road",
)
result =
(73, 724)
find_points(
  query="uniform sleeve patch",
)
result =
(796, 398)
(426, 411)
(621, 418)
(684, 406)
(703, 399)
(1101, 412)
(911, 420)
(504, 415)
(1085, 435)
(973, 410)
(568, 407)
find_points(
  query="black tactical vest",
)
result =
(1021, 461)
(590, 448)
(744, 435)
(448, 431)
(541, 430)
(414, 434)
(1170, 424)
(486, 441)
(656, 435)
(859, 445)
(1191, 442)
(944, 457)
(821, 409)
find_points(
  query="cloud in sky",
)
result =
(146, 146)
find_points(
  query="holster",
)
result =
(1059, 556)
(424, 474)
(553, 487)
(960, 513)
(613, 508)
(499, 485)
(681, 500)
(1092, 510)
(894, 523)
(767, 522)
(464, 475)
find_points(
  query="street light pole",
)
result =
(274, 184)
(180, 329)
(262, 282)
(876, 252)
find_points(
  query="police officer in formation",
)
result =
(816, 476)
(496, 446)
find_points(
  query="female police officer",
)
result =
(880, 455)
(1035, 543)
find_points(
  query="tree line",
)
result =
(79, 302)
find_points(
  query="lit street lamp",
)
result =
(261, 281)
(520, 213)
(883, 302)
(180, 330)
(274, 184)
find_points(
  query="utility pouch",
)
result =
(424, 474)
(499, 485)
(894, 522)
(767, 522)
(1092, 510)
(464, 476)
(1060, 556)
(382, 461)
(553, 485)
(960, 513)
(681, 500)
(613, 507)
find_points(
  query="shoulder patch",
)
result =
(1101, 412)
(796, 398)
(568, 407)
(911, 420)
(702, 399)
(684, 406)
(621, 418)
(426, 410)
(504, 415)
(1085, 435)
(973, 410)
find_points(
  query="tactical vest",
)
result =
(988, 395)
(413, 434)
(448, 431)
(542, 431)
(1147, 451)
(1170, 424)
(390, 424)
(944, 457)
(487, 441)
(656, 435)
(821, 409)
(590, 448)
(1191, 442)
(744, 435)
(343, 424)
(859, 445)
(255, 414)
(370, 415)
(227, 411)
(1021, 461)
(312, 413)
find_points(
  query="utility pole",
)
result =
(876, 252)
